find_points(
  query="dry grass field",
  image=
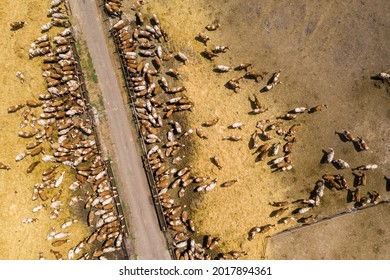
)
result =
(17, 240)
(325, 58)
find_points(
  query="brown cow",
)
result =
(17, 25)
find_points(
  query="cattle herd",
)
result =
(61, 133)
(270, 135)
(61, 137)
(156, 93)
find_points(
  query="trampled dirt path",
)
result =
(133, 187)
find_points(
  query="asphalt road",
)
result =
(149, 241)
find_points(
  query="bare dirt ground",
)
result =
(364, 236)
(327, 53)
(134, 191)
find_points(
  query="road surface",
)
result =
(135, 195)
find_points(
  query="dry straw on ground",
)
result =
(321, 64)
(17, 240)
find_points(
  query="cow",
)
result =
(31, 166)
(57, 254)
(222, 68)
(229, 183)
(20, 76)
(213, 27)
(279, 204)
(17, 25)
(5, 167)
(254, 75)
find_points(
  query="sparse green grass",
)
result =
(100, 102)
(95, 96)
(79, 48)
(91, 73)
(86, 61)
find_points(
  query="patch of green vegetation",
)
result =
(131, 236)
(86, 61)
(101, 102)
(79, 48)
(96, 101)
(90, 69)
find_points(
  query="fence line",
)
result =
(149, 174)
(88, 114)
(335, 216)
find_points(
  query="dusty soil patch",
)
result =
(365, 236)
(325, 57)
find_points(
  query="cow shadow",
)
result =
(258, 157)
(205, 239)
(342, 136)
(349, 196)
(251, 144)
(263, 137)
(296, 211)
(357, 146)
(324, 158)
(230, 87)
(200, 40)
(178, 58)
(273, 213)
(376, 78)
(17, 28)
(313, 193)
(213, 161)
(336, 165)
(356, 179)
(270, 162)
(270, 80)
(264, 89)
(253, 113)
(215, 70)
(153, 22)
(156, 65)
(327, 185)
(270, 151)
(252, 103)
(250, 77)
(138, 22)
(205, 55)
(170, 74)
(387, 183)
